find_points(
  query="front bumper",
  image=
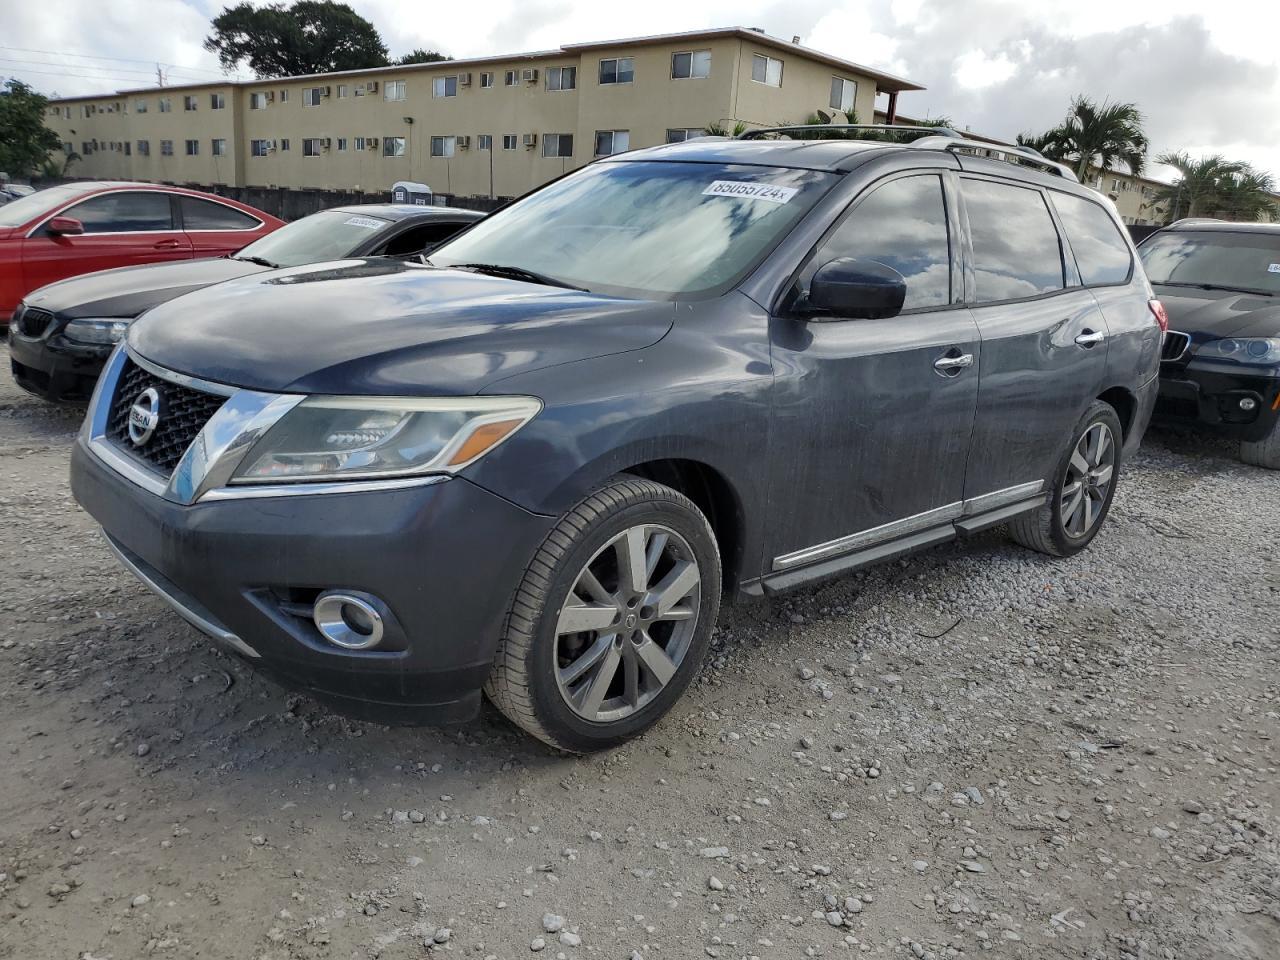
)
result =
(55, 368)
(445, 558)
(1206, 396)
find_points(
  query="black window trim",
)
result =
(1066, 238)
(1070, 276)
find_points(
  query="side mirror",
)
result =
(856, 289)
(65, 227)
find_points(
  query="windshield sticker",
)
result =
(1273, 268)
(367, 222)
(768, 192)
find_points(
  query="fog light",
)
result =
(1248, 403)
(347, 620)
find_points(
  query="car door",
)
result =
(1044, 340)
(121, 229)
(872, 418)
(215, 229)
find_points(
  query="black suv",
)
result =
(1220, 282)
(533, 465)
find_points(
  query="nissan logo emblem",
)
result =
(144, 416)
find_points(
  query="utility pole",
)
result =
(159, 75)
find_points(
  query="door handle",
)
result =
(952, 362)
(1090, 338)
(166, 244)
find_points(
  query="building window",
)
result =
(284, 144)
(166, 148)
(767, 70)
(140, 106)
(342, 91)
(393, 146)
(259, 148)
(557, 144)
(127, 148)
(617, 70)
(193, 148)
(562, 78)
(484, 141)
(360, 143)
(219, 148)
(691, 65)
(311, 147)
(217, 101)
(312, 96)
(843, 93)
(188, 103)
(284, 96)
(681, 134)
(443, 146)
(395, 90)
(510, 141)
(144, 148)
(612, 141)
(486, 80)
(511, 78)
(165, 105)
(342, 144)
(257, 101)
(444, 87)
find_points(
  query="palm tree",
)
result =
(1195, 193)
(718, 129)
(1248, 196)
(1095, 135)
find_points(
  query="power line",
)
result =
(95, 56)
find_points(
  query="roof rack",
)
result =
(817, 127)
(1189, 220)
(1011, 153)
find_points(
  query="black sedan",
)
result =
(61, 334)
(1220, 284)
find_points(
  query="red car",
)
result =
(81, 227)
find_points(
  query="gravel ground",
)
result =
(976, 750)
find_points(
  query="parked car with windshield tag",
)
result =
(1220, 373)
(62, 334)
(534, 465)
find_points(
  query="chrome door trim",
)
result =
(908, 525)
(866, 538)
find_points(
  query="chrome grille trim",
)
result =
(1174, 346)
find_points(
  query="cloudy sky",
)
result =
(1206, 75)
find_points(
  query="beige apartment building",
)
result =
(488, 126)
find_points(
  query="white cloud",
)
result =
(977, 69)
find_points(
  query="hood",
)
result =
(128, 291)
(1213, 314)
(387, 327)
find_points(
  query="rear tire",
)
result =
(612, 620)
(1264, 452)
(1078, 503)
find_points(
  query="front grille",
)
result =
(1175, 346)
(183, 413)
(34, 323)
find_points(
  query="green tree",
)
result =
(25, 142)
(309, 36)
(1213, 186)
(423, 56)
(1096, 136)
(718, 129)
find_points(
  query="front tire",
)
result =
(612, 620)
(1264, 452)
(1081, 488)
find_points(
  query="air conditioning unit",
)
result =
(326, 91)
(530, 140)
(359, 90)
(325, 142)
(463, 143)
(271, 146)
(529, 74)
(464, 79)
(271, 96)
(371, 86)
(372, 143)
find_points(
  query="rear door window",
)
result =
(1100, 250)
(1016, 250)
(123, 212)
(902, 224)
(200, 214)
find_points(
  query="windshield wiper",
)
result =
(515, 273)
(260, 261)
(1213, 286)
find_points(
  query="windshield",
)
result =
(645, 229)
(1237, 261)
(328, 235)
(17, 212)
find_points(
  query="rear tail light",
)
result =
(1157, 311)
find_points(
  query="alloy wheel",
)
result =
(627, 623)
(1088, 481)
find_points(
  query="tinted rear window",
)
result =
(200, 214)
(1100, 250)
(1016, 252)
(1237, 261)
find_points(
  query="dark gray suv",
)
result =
(533, 465)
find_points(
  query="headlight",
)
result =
(1261, 350)
(106, 331)
(352, 438)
